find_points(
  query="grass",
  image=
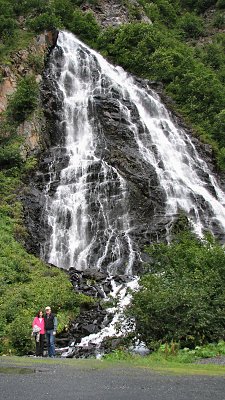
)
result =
(163, 367)
(21, 40)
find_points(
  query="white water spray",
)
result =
(78, 239)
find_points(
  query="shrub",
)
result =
(219, 128)
(221, 158)
(191, 26)
(167, 12)
(220, 4)
(10, 154)
(167, 64)
(23, 102)
(182, 298)
(200, 93)
(7, 26)
(218, 20)
(85, 26)
(6, 8)
(63, 11)
(213, 55)
(45, 21)
(199, 5)
(24, 7)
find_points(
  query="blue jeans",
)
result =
(50, 343)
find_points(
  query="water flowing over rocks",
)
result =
(84, 337)
(117, 172)
(109, 145)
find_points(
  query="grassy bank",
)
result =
(162, 367)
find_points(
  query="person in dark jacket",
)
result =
(50, 328)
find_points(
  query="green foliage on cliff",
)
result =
(26, 283)
(192, 75)
(184, 49)
(182, 297)
(24, 101)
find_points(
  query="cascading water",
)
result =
(128, 169)
(89, 212)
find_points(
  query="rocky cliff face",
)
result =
(117, 12)
(115, 144)
(21, 65)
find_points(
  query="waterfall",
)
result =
(91, 221)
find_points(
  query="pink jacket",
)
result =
(41, 324)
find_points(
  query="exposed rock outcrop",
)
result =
(22, 64)
(116, 13)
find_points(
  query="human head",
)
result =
(48, 310)
(40, 313)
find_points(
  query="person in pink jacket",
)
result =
(38, 326)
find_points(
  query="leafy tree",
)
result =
(191, 26)
(45, 21)
(7, 26)
(167, 64)
(24, 7)
(84, 25)
(23, 102)
(6, 8)
(200, 93)
(199, 5)
(182, 297)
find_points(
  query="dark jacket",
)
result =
(50, 322)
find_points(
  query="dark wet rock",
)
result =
(117, 147)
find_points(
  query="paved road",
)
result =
(67, 381)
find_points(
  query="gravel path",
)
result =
(60, 380)
(219, 360)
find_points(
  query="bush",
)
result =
(26, 286)
(45, 21)
(213, 55)
(220, 4)
(219, 20)
(219, 128)
(199, 5)
(221, 158)
(24, 7)
(182, 297)
(23, 102)
(191, 26)
(167, 64)
(167, 12)
(7, 26)
(63, 11)
(10, 154)
(6, 8)
(85, 26)
(200, 94)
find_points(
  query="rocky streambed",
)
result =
(101, 326)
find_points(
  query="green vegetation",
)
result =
(163, 366)
(193, 75)
(172, 50)
(26, 283)
(172, 353)
(24, 101)
(182, 295)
